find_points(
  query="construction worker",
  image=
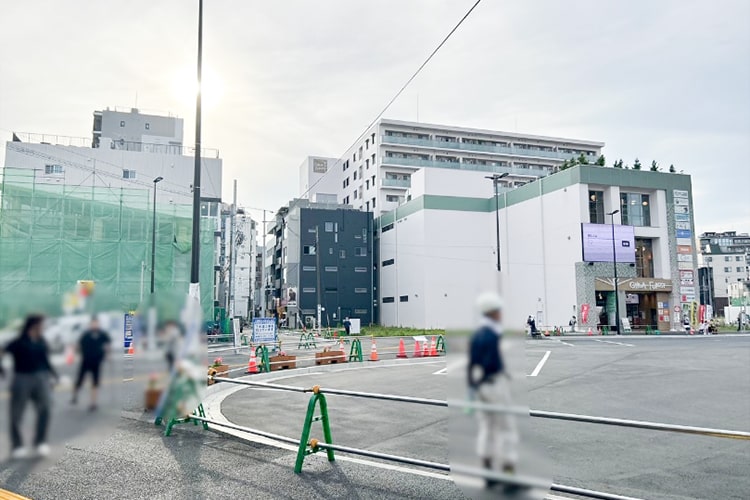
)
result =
(94, 347)
(489, 379)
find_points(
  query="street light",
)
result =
(153, 236)
(614, 268)
(495, 179)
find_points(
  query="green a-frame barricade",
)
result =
(309, 446)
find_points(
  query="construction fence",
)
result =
(52, 235)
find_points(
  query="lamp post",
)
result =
(495, 179)
(614, 268)
(153, 235)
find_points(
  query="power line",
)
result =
(401, 90)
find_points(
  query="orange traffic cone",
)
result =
(546, 332)
(692, 331)
(426, 350)
(401, 349)
(417, 350)
(374, 351)
(69, 355)
(131, 349)
(590, 332)
(252, 364)
(433, 348)
(341, 345)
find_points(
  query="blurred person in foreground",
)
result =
(94, 347)
(32, 380)
(172, 343)
(490, 381)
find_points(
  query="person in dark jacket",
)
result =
(94, 347)
(32, 377)
(489, 378)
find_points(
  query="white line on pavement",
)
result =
(540, 365)
(615, 343)
(444, 371)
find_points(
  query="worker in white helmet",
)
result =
(488, 377)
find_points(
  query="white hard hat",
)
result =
(489, 302)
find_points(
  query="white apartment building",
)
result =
(134, 131)
(375, 174)
(726, 255)
(438, 250)
(244, 266)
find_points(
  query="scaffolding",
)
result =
(52, 235)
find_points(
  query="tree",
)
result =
(637, 164)
(618, 163)
(564, 165)
(672, 169)
(601, 161)
(654, 166)
(582, 159)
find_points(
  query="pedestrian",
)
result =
(572, 324)
(172, 342)
(347, 326)
(532, 326)
(686, 325)
(94, 347)
(489, 380)
(32, 377)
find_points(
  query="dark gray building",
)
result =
(322, 257)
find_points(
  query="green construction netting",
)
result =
(52, 235)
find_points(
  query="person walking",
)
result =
(347, 326)
(94, 347)
(32, 377)
(172, 342)
(572, 324)
(489, 380)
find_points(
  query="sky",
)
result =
(666, 81)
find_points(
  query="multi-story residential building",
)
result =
(375, 174)
(439, 250)
(132, 131)
(727, 259)
(321, 258)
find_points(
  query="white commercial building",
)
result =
(375, 174)
(726, 256)
(438, 250)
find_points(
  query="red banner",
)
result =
(702, 313)
(584, 313)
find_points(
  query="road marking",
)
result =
(541, 364)
(566, 343)
(611, 342)
(444, 371)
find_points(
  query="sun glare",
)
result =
(185, 87)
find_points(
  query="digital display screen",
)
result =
(597, 243)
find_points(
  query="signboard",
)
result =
(681, 202)
(634, 284)
(687, 275)
(679, 193)
(684, 241)
(687, 283)
(631, 298)
(677, 309)
(264, 330)
(236, 331)
(128, 329)
(320, 166)
(685, 249)
(682, 217)
(682, 225)
(597, 243)
(354, 327)
(291, 300)
(625, 322)
(685, 265)
(585, 308)
(681, 210)
(682, 233)
(684, 258)
(687, 290)
(687, 298)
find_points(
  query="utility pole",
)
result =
(232, 252)
(196, 240)
(317, 269)
(614, 267)
(263, 271)
(495, 180)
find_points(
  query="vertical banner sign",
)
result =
(702, 313)
(694, 313)
(585, 313)
(128, 329)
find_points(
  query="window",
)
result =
(373, 159)
(727, 259)
(308, 250)
(387, 227)
(373, 138)
(373, 203)
(360, 290)
(367, 143)
(360, 152)
(360, 269)
(388, 300)
(308, 268)
(330, 251)
(355, 175)
(308, 290)
(355, 193)
(403, 298)
(331, 269)
(392, 198)
(331, 289)
(739, 269)
(128, 174)
(635, 209)
(367, 163)
(342, 254)
(148, 126)
(367, 184)
(329, 227)
(738, 258)
(53, 169)
(122, 123)
(727, 269)
(388, 262)
(367, 206)
(360, 252)
(312, 230)
(644, 258)
(596, 207)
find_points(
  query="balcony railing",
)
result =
(397, 183)
(418, 162)
(481, 148)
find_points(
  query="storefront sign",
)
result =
(687, 290)
(685, 265)
(682, 217)
(687, 283)
(684, 233)
(635, 285)
(684, 258)
(682, 225)
(687, 298)
(687, 275)
(681, 202)
(684, 241)
(679, 193)
(681, 210)
(320, 166)
(631, 298)
(677, 309)
(685, 249)
(585, 313)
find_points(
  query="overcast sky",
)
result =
(666, 80)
